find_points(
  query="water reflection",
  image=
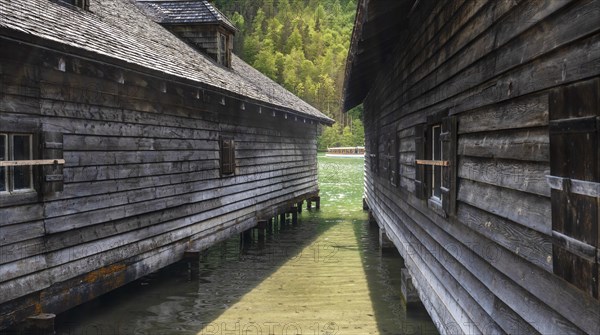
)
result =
(324, 275)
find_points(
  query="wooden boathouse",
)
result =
(127, 138)
(482, 132)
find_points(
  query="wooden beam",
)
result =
(32, 162)
(433, 163)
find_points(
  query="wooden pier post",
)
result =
(282, 219)
(270, 227)
(316, 199)
(299, 206)
(372, 220)
(192, 257)
(246, 238)
(261, 227)
(385, 243)
(41, 324)
(409, 292)
(294, 213)
(365, 204)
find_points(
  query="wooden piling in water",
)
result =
(261, 227)
(40, 324)
(409, 292)
(299, 206)
(384, 241)
(192, 257)
(316, 200)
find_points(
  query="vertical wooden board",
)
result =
(420, 177)
(574, 155)
(576, 270)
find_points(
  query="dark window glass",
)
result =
(227, 156)
(22, 151)
(436, 155)
(3, 157)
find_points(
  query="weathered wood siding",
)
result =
(492, 64)
(141, 180)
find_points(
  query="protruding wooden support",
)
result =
(261, 227)
(270, 226)
(193, 263)
(294, 213)
(316, 200)
(299, 206)
(40, 324)
(384, 241)
(365, 205)
(282, 219)
(372, 220)
(408, 290)
(247, 238)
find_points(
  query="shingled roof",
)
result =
(119, 30)
(185, 12)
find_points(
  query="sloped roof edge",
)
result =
(119, 33)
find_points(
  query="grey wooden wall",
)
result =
(494, 65)
(141, 179)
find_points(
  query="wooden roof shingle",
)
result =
(118, 30)
(185, 12)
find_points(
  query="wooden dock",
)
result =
(322, 288)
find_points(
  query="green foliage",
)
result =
(352, 135)
(303, 45)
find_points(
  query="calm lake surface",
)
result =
(324, 275)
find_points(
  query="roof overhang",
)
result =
(378, 26)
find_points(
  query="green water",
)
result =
(324, 275)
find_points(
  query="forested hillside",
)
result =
(303, 45)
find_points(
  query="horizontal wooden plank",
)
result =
(575, 186)
(33, 162)
(527, 243)
(20, 214)
(21, 232)
(125, 171)
(88, 158)
(70, 110)
(523, 112)
(525, 145)
(103, 143)
(432, 163)
(518, 175)
(531, 211)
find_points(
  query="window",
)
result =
(16, 147)
(222, 56)
(84, 4)
(436, 156)
(227, 149)
(435, 177)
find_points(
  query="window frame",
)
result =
(222, 49)
(9, 171)
(227, 150)
(429, 163)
